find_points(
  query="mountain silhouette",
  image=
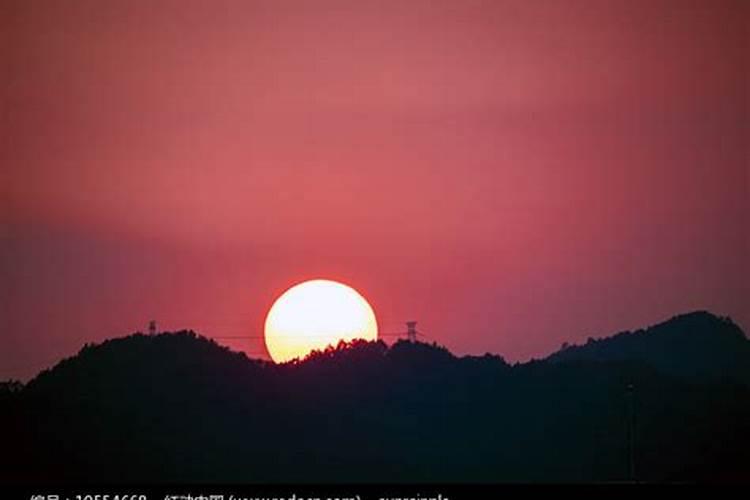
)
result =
(697, 345)
(177, 407)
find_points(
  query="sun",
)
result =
(315, 314)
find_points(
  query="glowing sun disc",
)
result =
(315, 314)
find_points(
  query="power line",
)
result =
(410, 334)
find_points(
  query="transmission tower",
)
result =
(411, 331)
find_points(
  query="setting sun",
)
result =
(315, 314)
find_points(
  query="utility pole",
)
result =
(631, 432)
(152, 327)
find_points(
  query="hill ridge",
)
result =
(178, 407)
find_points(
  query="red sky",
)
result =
(512, 174)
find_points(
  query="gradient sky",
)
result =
(512, 174)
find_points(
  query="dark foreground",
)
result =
(177, 408)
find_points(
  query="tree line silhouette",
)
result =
(178, 407)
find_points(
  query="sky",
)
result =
(511, 174)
